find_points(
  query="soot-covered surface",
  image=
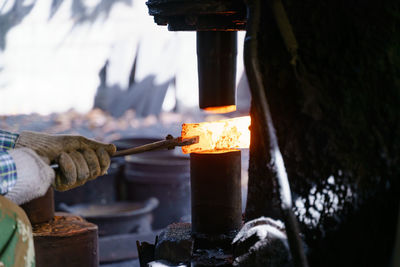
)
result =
(338, 132)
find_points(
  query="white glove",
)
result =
(34, 176)
(80, 159)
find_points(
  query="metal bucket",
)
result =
(117, 218)
(164, 176)
(103, 189)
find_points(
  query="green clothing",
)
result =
(16, 240)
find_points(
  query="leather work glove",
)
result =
(80, 159)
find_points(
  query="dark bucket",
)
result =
(118, 217)
(103, 189)
(164, 176)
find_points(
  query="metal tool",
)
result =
(216, 53)
(216, 199)
(169, 143)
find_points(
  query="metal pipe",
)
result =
(276, 164)
(216, 193)
(216, 61)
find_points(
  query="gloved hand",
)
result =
(80, 159)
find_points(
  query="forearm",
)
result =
(7, 140)
(8, 172)
(34, 176)
(23, 174)
(28, 155)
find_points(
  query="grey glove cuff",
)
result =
(34, 176)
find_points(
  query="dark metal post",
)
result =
(216, 61)
(216, 193)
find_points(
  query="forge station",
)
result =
(323, 137)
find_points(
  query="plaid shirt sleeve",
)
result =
(8, 172)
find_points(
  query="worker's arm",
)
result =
(26, 173)
(80, 159)
(23, 174)
(8, 172)
(16, 241)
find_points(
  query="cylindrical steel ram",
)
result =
(216, 61)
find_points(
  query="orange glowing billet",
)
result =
(221, 109)
(218, 136)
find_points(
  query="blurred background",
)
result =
(57, 55)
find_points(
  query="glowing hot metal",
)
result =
(220, 110)
(218, 136)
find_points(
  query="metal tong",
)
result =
(169, 143)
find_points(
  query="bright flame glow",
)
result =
(218, 136)
(221, 109)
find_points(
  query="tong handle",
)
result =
(169, 143)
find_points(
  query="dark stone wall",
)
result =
(344, 123)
